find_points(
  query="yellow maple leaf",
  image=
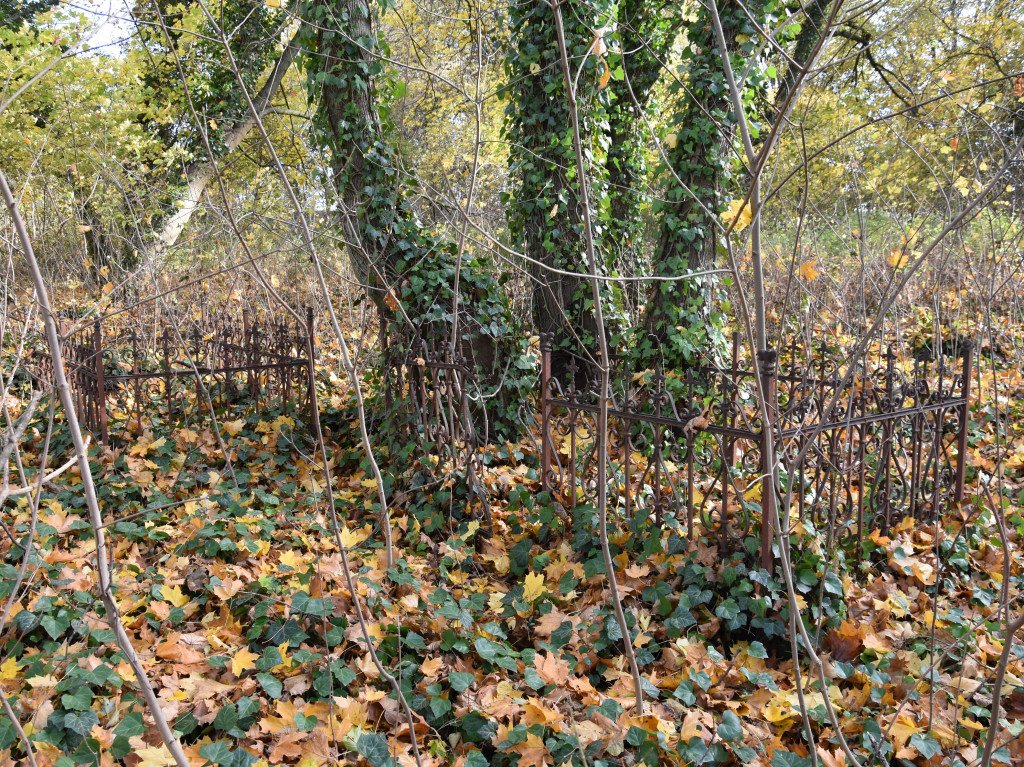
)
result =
(902, 730)
(233, 427)
(898, 259)
(740, 213)
(291, 559)
(494, 601)
(43, 681)
(780, 707)
(431, 666)
(351, 538)
(8, 670)
(154, 756)
(533, 587)
(808, 271)
(243, 660)
(532, 752)
(174, 595)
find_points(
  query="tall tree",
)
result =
(644, 32)
(544, 211)
(423, 287)
(681, 318)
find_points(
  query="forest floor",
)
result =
(236, 596)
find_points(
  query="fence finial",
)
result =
(768, 359)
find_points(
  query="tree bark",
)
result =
(645, 38)
(546, 205)
(676, 322)
(200, 173)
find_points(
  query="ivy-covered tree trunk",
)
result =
(681, 320)
(409, 272)
(645, 37)
(544, 209)
(351, 127)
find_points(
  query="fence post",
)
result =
(961, 437)
(545, 409)
(246, 351)
(101, 393)
(136, 371)
(165, 342)
(767, 364)
(888, 405)
(314, 411)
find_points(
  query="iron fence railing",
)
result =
(856, 448)
(428, 395)
(127, 373)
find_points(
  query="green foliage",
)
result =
(642, 44)
(545, 205)
(411, 271)
(17, 12)
(195, 43)
(700, 145)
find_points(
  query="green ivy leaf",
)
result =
(731, 727)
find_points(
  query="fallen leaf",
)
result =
(533, 587)
(174, 595)
(551, 669)
(243, 660)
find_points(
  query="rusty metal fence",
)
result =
(180, 370)
(857, 448)
(428, 394)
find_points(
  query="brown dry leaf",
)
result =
(535, 712)
(877, 642)
(532, 752)
(177, 651)
(832, 758)
(846, 642)
(551, 669)
(549, 623)
(431, 666)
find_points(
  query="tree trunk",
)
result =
(678, 321)
(410, 273)
(545, 207)
(200, 173)
(645, 39)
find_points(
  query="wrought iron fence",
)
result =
(428, 399)
(179, 370)
(857, 448)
